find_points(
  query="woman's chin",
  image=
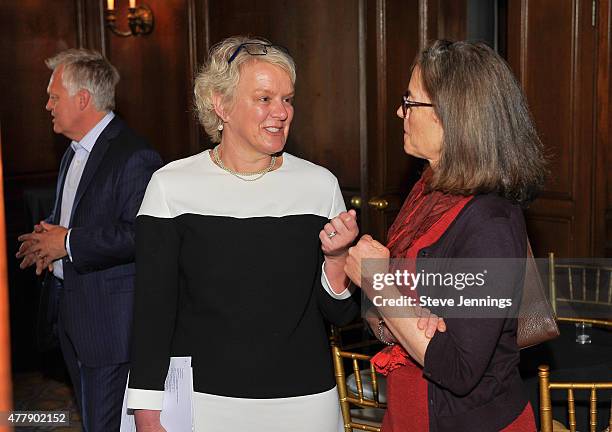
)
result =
(275, 146)
(410, 151)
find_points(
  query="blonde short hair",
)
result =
(87, 70)
(221, 77)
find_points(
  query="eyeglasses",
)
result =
(407, 104)
(256, 49)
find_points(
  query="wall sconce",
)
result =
(140, 19)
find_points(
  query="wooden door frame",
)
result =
(602, 178)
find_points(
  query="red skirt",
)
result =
(407, 408)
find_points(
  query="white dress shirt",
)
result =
(82, 149)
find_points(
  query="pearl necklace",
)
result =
(259, 174)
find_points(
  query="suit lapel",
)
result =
(59, 191)
(95, 158)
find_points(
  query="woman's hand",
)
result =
(148, 421)
(337, 235)
(377, 257)
(429, 322)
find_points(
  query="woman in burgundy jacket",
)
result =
(466, 115)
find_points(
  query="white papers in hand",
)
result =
(177, 411)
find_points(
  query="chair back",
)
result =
(546, 420)
(354, 337)
(578, 284)
(362, 398)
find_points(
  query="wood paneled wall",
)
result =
(30, 36)
(156, 88)
(154, 96)
(353, 60)
(327, 40)
(323, 38)
(567, 85)
(32, 30)
(154, 93)
(393, 37)
(603, 211)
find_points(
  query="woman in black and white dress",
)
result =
(240, 257)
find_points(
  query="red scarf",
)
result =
(421, 211)
(421, 221)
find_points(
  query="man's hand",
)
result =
(28, 258)
(42, 246)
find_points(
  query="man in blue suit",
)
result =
(88, 241)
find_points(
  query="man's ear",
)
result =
(84, 98)
(219, 106)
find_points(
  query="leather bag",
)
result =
(536, 321)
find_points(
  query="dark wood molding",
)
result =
(452, 20)
(382, 78)
(602, 174)
(80, 22)
(608, 250)
(523, 42)
(198, 29)
(563, 90)
(371, 172)
(362, 192)
(424, 18)
(91, 30)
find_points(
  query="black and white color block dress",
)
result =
(229, 272)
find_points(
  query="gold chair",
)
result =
(594, 322)
(368, 416)
(353, 336)
(546, 420)
(586, 285)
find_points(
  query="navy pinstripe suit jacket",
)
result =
(96, 306)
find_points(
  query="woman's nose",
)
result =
(279, 110)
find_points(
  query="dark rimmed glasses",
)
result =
(407, 104)
(255, 49)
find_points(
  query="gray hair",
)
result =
(87, 70)
(490, 141)
(219, 76)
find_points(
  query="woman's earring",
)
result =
(220, 127)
